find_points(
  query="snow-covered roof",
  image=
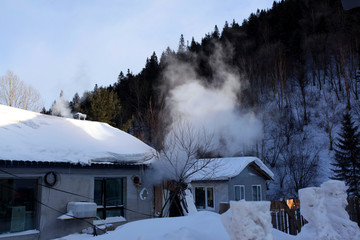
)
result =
(30, 136)
(225, 168)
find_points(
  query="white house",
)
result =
(226, 179)
(47, 162)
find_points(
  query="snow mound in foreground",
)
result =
(248, 220)
(324, 208)
(202, 225)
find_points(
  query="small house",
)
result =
(226, 179)
(60, 176)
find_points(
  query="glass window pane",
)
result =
(98, 192)
(200, 197)
(114, 212)
(242, 192)
(114, 192)
(256, 192)
(100, 214)
(17, 205)
(108, 193)
(210, 197)
(259, 192)
(237, 193)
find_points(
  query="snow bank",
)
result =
(202, 225)
(248, 220)
(324, 208)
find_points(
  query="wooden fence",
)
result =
(291, 221)
(353, 209)
(285, 219)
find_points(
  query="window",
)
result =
(256, 192)
(204, 197)
(109, 196)
(239, 192)
(17, 205)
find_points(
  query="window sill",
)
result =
(109, 220)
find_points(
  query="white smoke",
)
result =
(61, 107)
(214, 108)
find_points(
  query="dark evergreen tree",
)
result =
(194, 46)
(44, 111)
(216, 33)
(75, 103)
(104, 106)
(347, 156)
(182, 46)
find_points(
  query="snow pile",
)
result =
(199, 226)
(324, 208)
(248, 220)
(189, 198)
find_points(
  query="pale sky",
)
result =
(71, 45)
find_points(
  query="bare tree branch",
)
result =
(185, 152)
(15, 93)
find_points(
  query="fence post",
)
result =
(296, 221)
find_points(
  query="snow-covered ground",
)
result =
(202, 225)
(323, 207)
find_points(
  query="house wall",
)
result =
(224, 190)
(81, 182)
(247, 177)
(221, 192)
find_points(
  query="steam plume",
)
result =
(61, 107)
(215, 108)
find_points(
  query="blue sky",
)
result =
(71, 45)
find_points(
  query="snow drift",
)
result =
(248, 220)
(324, 208)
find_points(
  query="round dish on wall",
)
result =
(50, 179)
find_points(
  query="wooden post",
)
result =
(292, 216)
(286, 222)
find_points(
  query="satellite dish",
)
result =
(50, 179)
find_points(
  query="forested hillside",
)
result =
(298, 65)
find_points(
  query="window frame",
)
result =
(103, 207)
(207, 207)
(240, 187)
(258, 188)
(23, 209)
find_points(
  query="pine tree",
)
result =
(347, 156)
(104, 106)
(182, 46)
(216, 33)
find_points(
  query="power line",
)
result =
(71, 193)
(144, 214)
(56, 210)
(40, 184)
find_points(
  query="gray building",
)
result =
(230, 179)
(60, 176)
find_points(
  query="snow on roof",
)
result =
(30, 136)
(225, 168)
